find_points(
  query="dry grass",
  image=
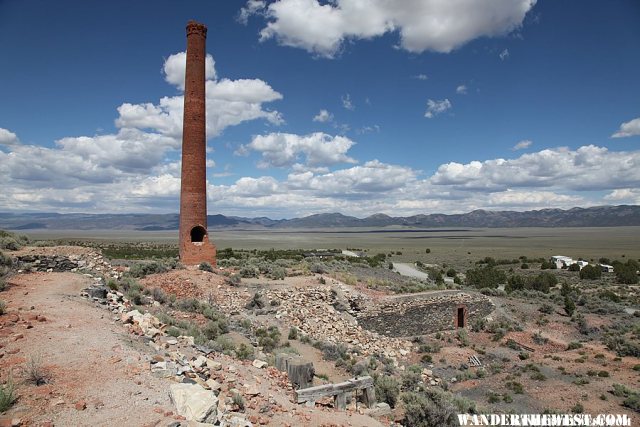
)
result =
(35, 373)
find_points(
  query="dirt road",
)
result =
(96, 375)
(408, 270)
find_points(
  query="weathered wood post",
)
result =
(300, 371)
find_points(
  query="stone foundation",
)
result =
(425, 313)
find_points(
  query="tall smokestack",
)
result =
(195, 246)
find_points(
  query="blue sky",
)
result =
(352, 106)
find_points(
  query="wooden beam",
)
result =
(317, 392)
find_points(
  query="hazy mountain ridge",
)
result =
(600, 216)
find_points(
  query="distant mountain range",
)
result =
(601, 216)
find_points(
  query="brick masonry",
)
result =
(424, 313)
(193, 191)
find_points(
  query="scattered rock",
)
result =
(213, 365)
(99, 291)
(379, 410)
(199, 362)
(194, 402)
(260, 364)
(214, 385)
(252, 390)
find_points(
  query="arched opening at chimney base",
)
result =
(197, 234)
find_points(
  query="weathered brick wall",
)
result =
(425, 313)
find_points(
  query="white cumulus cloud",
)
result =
(228, 103)
(175, 65)
(525, 143)
(435, 107)
(630, 128)
(286, 149)
(440, 26)
(128, 170)
(587, 168)
(624, 195)
(372, 177)
(323, 116)
(8, 138)
(461, 90)
(252, 7)
(527, 199)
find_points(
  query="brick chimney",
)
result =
(195, 245)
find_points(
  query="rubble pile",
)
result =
(184, 283)
(209, 387)
(89, 262)
(313, 311)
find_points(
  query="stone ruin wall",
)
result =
(424, 314)
(91, 264)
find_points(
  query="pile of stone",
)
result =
(185, 283)
(313, 311)
(206, 384)
(230, 301)
(90, 262)
(429, 378)
(48, 263)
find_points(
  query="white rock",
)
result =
(214, 385)
(199, 362)
(194, 402)
(234, 421)
(213, 365)
(152, 332)
(132, 316)
(158, 366)
(251, 390)
(260, 364)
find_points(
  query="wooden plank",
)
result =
(317, 392)
(526, 347)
